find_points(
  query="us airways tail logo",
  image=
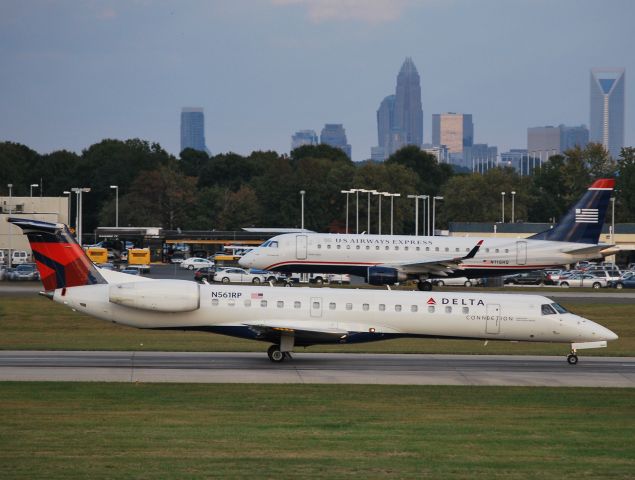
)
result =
(586, 215)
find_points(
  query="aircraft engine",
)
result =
(170, 296)
(385, 276)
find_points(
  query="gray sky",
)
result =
(75, 72)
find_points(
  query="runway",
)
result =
(500, 370)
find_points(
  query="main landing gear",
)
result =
(278, 353)
(424, 285)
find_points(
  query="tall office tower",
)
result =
(304, 137)
(333, 134)
(543, 142)
(193, 129)
(400, 116)
(607, 108)
(408, 115)
(571, 137)
(454, 130)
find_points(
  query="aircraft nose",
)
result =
(609, 335)
(245, 260)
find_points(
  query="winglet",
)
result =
(474, 251)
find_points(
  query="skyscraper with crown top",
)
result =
(400, 116)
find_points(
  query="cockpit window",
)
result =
(559, 308)
(273, 244)
(547, 309)
(266, 244)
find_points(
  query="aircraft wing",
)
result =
(312, 331)
(439, 266)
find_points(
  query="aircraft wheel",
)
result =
(440, 283)
(275, 355)
(424, 285)
(572, 358)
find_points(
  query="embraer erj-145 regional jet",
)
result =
(288, 317)
(388, 259)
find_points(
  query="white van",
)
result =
(19, 257)
(3, 258)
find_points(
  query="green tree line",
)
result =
(230, 191)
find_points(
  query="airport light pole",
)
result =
(379, 194)
(68, 218)
(612, 219)
(116, 188)
(434, 214)
(33, 185)
(426, 198)
(513, 206)
(78, 223)
(363, 190)
(302, 192)
(10, 185)
(503, 207)
(347, 192)
(392, 196)
(356, 190)
(416, 197)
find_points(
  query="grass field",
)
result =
(35, 323)
(78, 431)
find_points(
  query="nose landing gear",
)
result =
(572, 358)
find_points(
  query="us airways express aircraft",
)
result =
(288, 317)
(387, 259)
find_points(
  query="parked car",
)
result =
(25, 271)
(131, 271)
(238, 275)
(536, 277)
(608, 274)
(205, 273)
(196, 263)
(585, 265)
(316, 278)
(584, 280)
(177, 258)
(3, 272)
(140, 268)
(19, 257)
(456, 281)
(340, 279)
(625, 281)
(274, 277)
(106, 266)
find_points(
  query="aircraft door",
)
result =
(316, 307)
(300, 247)
(493, 323)
(521, 253)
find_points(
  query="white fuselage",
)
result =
(365, 315)
(342, 253)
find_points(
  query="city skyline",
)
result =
(76, 73)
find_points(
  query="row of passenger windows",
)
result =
(333, 306)
(406, 248)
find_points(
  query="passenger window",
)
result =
(427, 249)
(507, 250)
(349, 306)
(466, 310)
(319, 246)
(339, 246)
(496, 250)
(396, 248)
(297, 304)
(431, 309)
(367, 247)
(247, 303)
(215, 301)
(448, 309)
(414, 308)
(331, 306)
(447, 249)
(280, 304)
(231, 303)
(377, 247)
(382, 307)
(316, 305)
(328, 247)
(457, 250)
(365, 307)
(263, 303)
(357, 247)
(418, 248)
(405, 248)
(387, 247)
(436, 249)
(487, 250)
(397, 308)
(348, 247)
